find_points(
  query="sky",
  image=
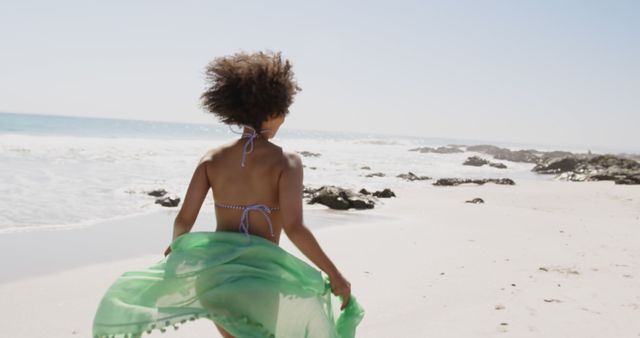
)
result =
(547, 72)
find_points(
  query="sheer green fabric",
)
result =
(246, 284)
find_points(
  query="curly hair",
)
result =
(249, 88)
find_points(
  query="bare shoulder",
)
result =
(209, 155)
(292, 160)
(212, 155)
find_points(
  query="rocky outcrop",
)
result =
(621, 168)
(557, 165)
(305, 153)
(162, 198)
(386, 193)
(340, 198)
(157, 192)
(592, 168)
(527, 156)
(168, 201)
(523, 155)
(458, 181)
(635, 157)
(475, 161)
(628, 179)
(378, 174)
(413, 177)
(307, 192)
(479, 162)
(531, 155)
(439, 150)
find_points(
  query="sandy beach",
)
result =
(471, 168)
(538, 259)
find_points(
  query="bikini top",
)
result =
(265, 210)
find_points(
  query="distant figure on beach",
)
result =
(237, 275)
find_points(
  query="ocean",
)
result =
(61, 172)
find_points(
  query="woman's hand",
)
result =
(166, 252)
(340, 287)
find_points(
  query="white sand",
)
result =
(430, 265)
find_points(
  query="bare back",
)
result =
(270, 178)
(256, 182)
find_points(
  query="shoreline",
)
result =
(143, 166)
(54, 250)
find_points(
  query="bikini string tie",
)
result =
(248, 145)
(244, 219)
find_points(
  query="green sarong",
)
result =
(248, 285)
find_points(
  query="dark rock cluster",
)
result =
(305, 153)
(479, 162)
(342, 198)
(458, 181)
(498, 165)
(592, 168)
(168, 201)
(524, 155)
(413, 177)
(157, 192)
(386, 193)
(527, 155)
(621, 168)
(163, 199)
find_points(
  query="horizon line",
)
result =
(482, 142)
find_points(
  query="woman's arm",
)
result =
(290, 200)
(196, 193)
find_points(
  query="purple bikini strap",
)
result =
(248, 145)
(244, 219)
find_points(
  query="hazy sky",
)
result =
(564, 72)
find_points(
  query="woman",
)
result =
(238, 276)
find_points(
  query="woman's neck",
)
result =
(265, 134)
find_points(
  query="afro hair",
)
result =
(248, 88)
